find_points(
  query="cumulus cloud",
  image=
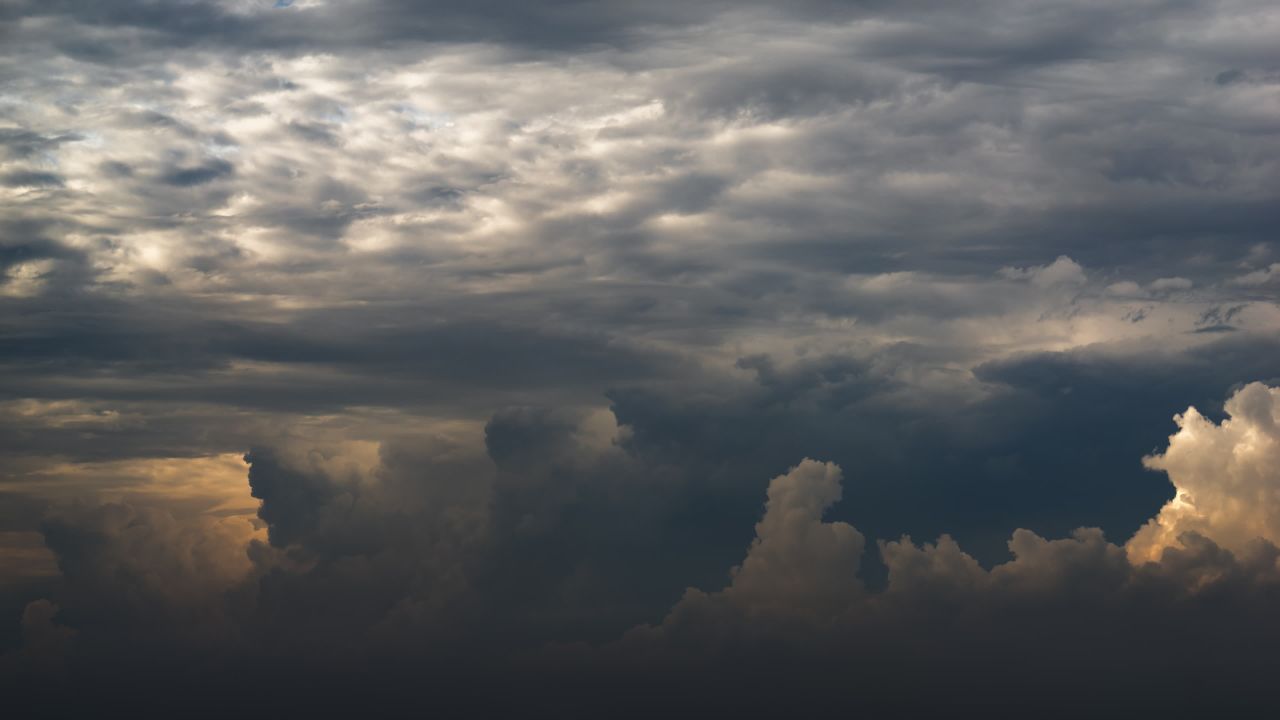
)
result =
(1062, 271)
(1226, 476)
(140, 579)
(797, 564)
(1055, 604)
(803, 570)
(384, 533)
(1258, 277)
(1224, 479)
(397, 551)
(515, 308)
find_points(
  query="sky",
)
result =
(593, 356)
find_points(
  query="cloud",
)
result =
(1062, 271)
(1258, 277)
(1171, 284)
(797, 564)
(31, 178)
(135, 578)
(384, 532)
(1225, 475)
(1055, 604)
(206, 172)
(397, 551)
(516, 308)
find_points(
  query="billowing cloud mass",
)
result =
(1226, 476)
(797, 564)
(1066, 608)
(391, 555)
(447, 349)
(1217, 526)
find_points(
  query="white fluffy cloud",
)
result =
(1227, 476)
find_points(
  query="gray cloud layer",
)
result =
(513, 309)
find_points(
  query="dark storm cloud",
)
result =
(125, 352)
(557, 25)
(1077, 420)
(31, 178)
(374, 565)
(920, 129)
(571, 535)
(208, 171)
(979, 37)
(513, 310)
(20, 144)
(26, 247)
(568, 24)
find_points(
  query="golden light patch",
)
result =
(210, 495)
(215, 484)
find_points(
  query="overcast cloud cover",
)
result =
(603, 356)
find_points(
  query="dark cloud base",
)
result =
(376, 597)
